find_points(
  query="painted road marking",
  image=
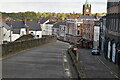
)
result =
(109, 69)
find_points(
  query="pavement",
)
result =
(95, 66)
(40, 62)
(73, 70)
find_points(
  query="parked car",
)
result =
(95, 51)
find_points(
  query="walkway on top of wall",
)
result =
(40, 62)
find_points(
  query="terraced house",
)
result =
(5, 33)
(112, 35)
(20, 28)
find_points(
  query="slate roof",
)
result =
(51, 22)
(33, 25)
(43, 20)
(2, 24)
(63, 23)
(59, 23)
(88, 17)
(17, 25)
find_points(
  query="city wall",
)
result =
(14, 47)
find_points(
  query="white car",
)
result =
(95, 51)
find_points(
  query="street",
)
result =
(41, 62)
(93, 65)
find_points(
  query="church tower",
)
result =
(87, 9)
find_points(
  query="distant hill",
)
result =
(33, 16)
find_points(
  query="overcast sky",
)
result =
(51, 0)
(98, 6)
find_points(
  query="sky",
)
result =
(62, 6)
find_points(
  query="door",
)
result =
(109, 49)
(113, 52)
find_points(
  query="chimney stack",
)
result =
(25, 20)
(39, 20)
(27, 29)
(96, 15)
(51, 19)
(58, 20)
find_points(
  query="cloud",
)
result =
(50, 5)
(52, 0)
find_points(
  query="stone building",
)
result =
(87, 9)
(112, 34)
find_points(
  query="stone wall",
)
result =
(15, 47)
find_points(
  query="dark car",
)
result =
(95, 51)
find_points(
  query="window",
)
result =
(117, 24)
(79, 24)
(78, 32)
(22, 32)
(38, 36)
(4, 35)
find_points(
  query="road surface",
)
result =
(40, 62)
(93, 65)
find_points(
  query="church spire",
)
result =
(87, 4)
(87, 9)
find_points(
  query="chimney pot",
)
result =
(51, 19)
(38, 20)
(58, 20)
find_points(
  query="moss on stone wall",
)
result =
(15, 47)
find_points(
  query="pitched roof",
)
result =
(33, 25)
(88, 17)
(63, 23)
(17, 25)
(2, 24)
(59, 23)
(43, 20)
(51, 22)
(56, 25)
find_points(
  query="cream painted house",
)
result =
(5, 32)
(20, 28)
